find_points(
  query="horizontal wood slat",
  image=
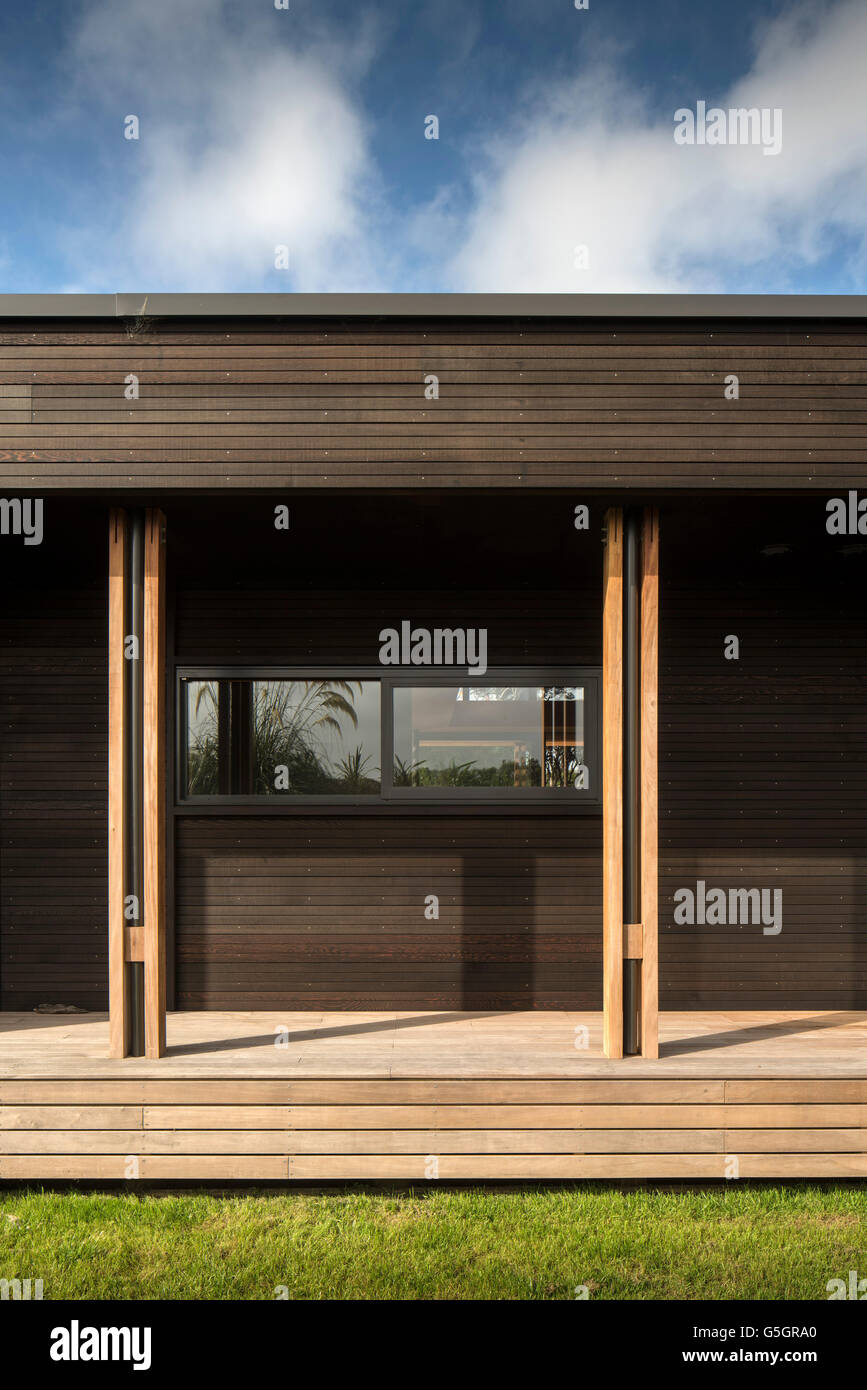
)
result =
(499, 1129)
(755, 767)
(361, 1091)
(54, 762)
(335, 405)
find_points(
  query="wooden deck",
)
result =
(321, 1097)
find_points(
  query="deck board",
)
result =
(747, 1045)
(432, 1096)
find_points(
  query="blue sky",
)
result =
(555, 166)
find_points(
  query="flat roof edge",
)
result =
(96, 306)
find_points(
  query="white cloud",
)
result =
(247, 142)
(589, 164)
(254, 135)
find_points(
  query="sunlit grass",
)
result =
(734, 1242)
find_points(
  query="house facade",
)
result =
(440, 653)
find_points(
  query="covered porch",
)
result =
(568, 745)
(304, 908)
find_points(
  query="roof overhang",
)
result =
(384, 306)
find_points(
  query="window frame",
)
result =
(389, 678)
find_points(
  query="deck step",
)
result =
(339, 1129)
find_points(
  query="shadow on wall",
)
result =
(499, 937)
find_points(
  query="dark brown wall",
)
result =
(53, 784)
(313, 911)
(762, 781)
(524, 405)
(329, 913)
(763, 759)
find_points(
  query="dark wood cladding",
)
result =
(53, 772)
(762, 770)
(761, 776)
(330, 914)
(347, 567)
(523, 404)
(305, 911)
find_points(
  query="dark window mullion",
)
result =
(386, 722)
(224, 737)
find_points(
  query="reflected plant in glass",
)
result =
(203, 755)
(353, 773)
(280, 736)
(291, 718)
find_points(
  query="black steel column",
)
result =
(631, 772)
(133, 732)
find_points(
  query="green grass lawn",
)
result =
(733, 1242)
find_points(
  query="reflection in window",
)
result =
(488, 736)
(282, 737)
